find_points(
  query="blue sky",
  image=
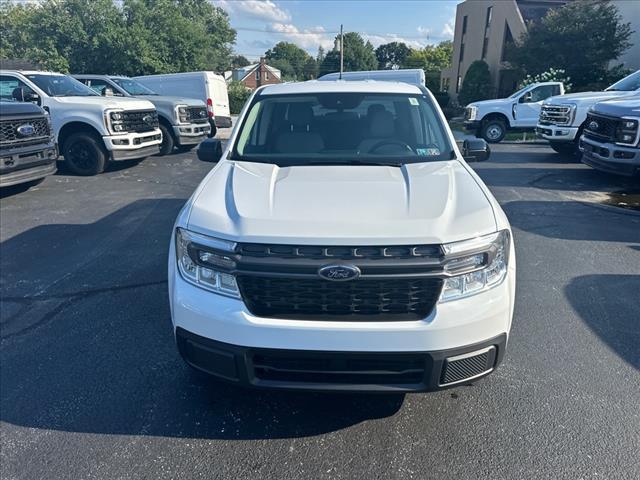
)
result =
(311, 23)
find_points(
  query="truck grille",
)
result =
(362, 299)
(598, 127)
(555, 115)
(140, 121)
(197, 114)
(10, 138)
(338, 253)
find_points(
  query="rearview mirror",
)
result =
(476, 150)
(210, 150)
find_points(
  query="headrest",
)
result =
(374, 108)
(300, 113)
(382, 124)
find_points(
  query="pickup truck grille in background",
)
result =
(555, 115)
(398, 299)
(197, 114)
(10, 138)
(140, 121)
(598, 127)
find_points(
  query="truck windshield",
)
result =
(627, 84)
(132, 87)
(514, 95)
(61, 86)
(342, 129)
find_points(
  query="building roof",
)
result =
(337, 86)
(244, 72)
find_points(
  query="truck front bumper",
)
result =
(609, 157)
(133, 145)
(555, 133)
(191, 134)
(26, 164)
(472, 125)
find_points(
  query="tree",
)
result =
(131, 37)
(290, 59)
(358, 55)
(580, 38)
(392, 55)
(476, 84)
(238, 96)
(239, 61)
(432, 59)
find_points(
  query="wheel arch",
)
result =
(496, 116)
(76, 127)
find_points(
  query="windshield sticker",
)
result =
(428, 152)
(413, 101)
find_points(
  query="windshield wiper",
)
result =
(357, 162)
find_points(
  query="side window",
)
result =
(8, 84)
(542, 93)
(98, 86)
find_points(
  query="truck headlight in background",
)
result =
(481, 264)
(628, 132)
(471, 112)
(182, 113)
(202, 261)
(114, 121)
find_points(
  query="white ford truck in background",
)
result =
(563, 118)
(90, 130)
(492, 119)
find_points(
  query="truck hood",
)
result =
(126, 103)
(619, 107)
(492, 103)
(585, 97)
(170, 101)
(432, 202)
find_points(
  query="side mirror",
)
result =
(20, 95)
(107, 92)
(476, 150)
(210, 150)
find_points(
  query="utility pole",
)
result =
(341, 52)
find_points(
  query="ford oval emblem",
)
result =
(593, 125)
(25, 130)
(203, 113)
(148, 119)
(339, 273)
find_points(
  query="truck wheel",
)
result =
(186, 148)
(166, 147)
(567, 149)
(493, 131)
(84, 154)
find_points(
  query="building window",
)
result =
(266, 75)
(458, 84)
(506, 42)
(464, 25)
(461, 52)
(489, 13)
(485, 45)
(258, 74)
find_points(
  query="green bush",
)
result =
(477, 84)
(238, 95)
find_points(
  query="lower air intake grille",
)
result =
(358, 369)
(466, 366)
(367, 300)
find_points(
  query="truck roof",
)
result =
(32, 72)
(340, 86)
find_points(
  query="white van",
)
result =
(206, 86)
(412, 76)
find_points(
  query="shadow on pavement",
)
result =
(608, 304)
(574, 221)
(87, 343)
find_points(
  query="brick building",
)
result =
(256, 75)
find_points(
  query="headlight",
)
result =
(627, 132)
(479, 264)
(114, 121)
(202, 261)
(182, 113)
(472, 112)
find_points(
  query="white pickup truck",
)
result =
(90, 130)
(492, 119)
(563, 118)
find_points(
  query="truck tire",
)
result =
(166, 147)
(84, 154)
(186, 148)
(493, 130)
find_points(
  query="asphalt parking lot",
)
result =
(93, 387)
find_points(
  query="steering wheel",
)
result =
(382, 143)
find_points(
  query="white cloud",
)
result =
(449, 29)
(377, 40)
(310, 38)
(424, 31)
(263, 9)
